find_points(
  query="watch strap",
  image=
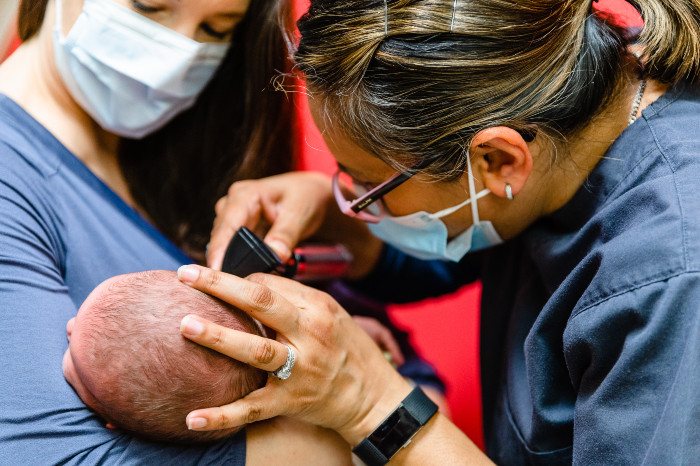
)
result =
(420, 406)
(397, 429)
(370, 454)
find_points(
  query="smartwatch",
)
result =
(397, 430)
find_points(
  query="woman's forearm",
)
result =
(440, 442)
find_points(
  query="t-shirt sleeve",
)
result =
(400, 278)
(42, 421)
(634, 360)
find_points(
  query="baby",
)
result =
(128, 361)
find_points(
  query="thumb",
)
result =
(281, 247)
(288, 225)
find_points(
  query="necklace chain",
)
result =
(637, 101)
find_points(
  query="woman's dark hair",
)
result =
(241, 127)
(416, 80)
(31, 17)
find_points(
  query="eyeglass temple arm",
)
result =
(378, 192)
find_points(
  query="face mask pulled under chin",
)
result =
(132, 75)
(424, 235)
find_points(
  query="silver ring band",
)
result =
(286, 370)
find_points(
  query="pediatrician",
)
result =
(520, 142)
(121, 124)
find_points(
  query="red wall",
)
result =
(14, 43)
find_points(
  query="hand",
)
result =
(293, 204)
(382, 336)
(340, 379)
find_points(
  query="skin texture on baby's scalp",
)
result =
(128, 361)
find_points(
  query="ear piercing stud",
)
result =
(509, 192)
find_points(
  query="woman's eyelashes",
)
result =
(143, 8)
(208, 29)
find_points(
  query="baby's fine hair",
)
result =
(156, 376)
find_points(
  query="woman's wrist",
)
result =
(375, 410)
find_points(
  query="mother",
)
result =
(78, 188)
(525, 130)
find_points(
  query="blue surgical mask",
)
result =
(424, 235)
(131, 74)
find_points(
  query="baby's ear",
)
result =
(109, 425)
(69, 327)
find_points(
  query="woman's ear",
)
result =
(500, 158)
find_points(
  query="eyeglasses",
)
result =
(366, 203)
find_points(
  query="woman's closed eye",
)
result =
(219, 32)
(144, 8)
(220, 35)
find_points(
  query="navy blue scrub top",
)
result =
(62, 232)
(590, 342)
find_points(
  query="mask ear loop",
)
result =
(472, 192)
(473, 198)
(59, 18)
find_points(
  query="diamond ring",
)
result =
(286, 370)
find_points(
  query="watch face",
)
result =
(394, 432)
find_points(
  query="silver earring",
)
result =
(509, 192)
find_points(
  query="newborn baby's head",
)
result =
(128, 361)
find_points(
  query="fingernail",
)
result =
(188, 273)
(280, 248)
(196, 423)
(191, 327)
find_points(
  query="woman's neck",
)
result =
(589, 146)
(31, 79)
(560, 171)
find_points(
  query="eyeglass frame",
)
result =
(356, 207)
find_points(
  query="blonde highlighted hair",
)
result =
(415, 80)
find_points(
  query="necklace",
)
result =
(637, 101)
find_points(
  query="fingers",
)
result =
(263, 353)
(286, 231)
(232, 212)
(257, 406)
(382, 336)
(259, 301)
(294, 204)
(289, 289)
(388, 343)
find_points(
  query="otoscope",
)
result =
(247, 254)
